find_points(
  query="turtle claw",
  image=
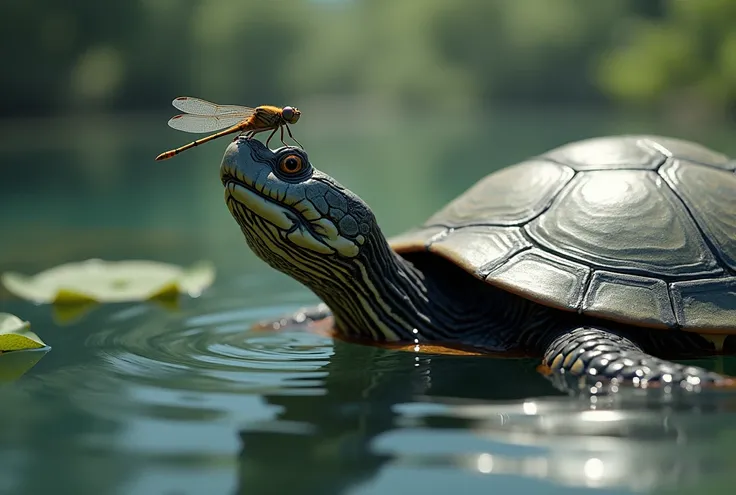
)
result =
(596, 361)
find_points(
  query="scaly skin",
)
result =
(303, 223)
(595, 354)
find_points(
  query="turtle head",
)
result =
(304, 224)
(296, 218)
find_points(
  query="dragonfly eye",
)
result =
(291, 164)
(288, 113)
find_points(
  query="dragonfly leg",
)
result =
(270, 136)
(292, 136)
(281, 128)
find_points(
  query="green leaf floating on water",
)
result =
(110, 281)
(16, 335)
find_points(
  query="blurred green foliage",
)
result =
(135, 55)
(683, 54)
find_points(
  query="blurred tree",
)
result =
(49, 44)
(136, 55)
(382, 49)
(685, 57)
(243, 48)
(532, 51)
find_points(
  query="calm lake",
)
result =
(146, 399)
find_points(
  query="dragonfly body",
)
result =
(205, 116)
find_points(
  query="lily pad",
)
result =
(13, 365)
(97, 280)
(16, 335)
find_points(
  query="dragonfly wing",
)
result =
(198, 106)
(203, 123)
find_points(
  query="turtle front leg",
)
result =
(590, 356)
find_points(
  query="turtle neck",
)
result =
(382, 296)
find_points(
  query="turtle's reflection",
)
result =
(322, 442)
(380, 409)
(610, 442)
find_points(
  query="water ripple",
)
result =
(214, 352)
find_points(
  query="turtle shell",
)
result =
(635, 229)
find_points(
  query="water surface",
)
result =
(145, 399)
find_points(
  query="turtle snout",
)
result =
(309, 208)
(243, 160)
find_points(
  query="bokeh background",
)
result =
(674, 57)
(433, 94)
(90, 58)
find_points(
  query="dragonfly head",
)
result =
(294, 217)
(291, 114)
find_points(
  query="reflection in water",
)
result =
(573, 443)
(325, 401)
(322, 441)
(338, 416)
(384, 410)
(14, 364)
(42, 432)
(195, 392)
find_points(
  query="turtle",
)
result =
(606, 257)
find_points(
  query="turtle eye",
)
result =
(288, 113)
(291, 164)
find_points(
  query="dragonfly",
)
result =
(204, 116)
